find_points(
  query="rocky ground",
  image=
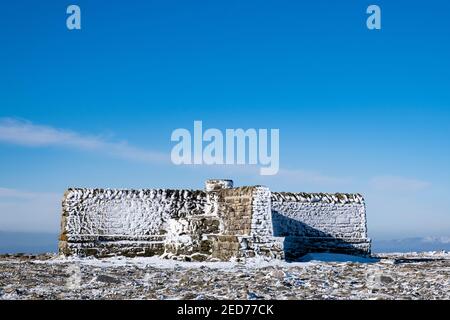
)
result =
(394, 276)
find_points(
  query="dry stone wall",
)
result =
(108, 222)
(320, 222)
(235, 210)
(220, 223)
(261, 222)
(246, 224)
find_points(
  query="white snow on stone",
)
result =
(250, 263)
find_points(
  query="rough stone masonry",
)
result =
(219, 223)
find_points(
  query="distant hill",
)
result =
(412, 244)
(28, 242)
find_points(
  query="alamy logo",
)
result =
(235, 146)
(73, 22)
(374, 20)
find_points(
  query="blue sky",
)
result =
(358, 110)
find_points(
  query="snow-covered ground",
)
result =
(252, 263)
(317, 276)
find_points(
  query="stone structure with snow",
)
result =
(219, 223)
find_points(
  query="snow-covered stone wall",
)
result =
(320, 222)
(219, 223)
(261, 223)
(95, 218)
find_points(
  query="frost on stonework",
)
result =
(222, 222)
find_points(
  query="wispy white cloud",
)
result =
(25, 133)
(399, 184)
